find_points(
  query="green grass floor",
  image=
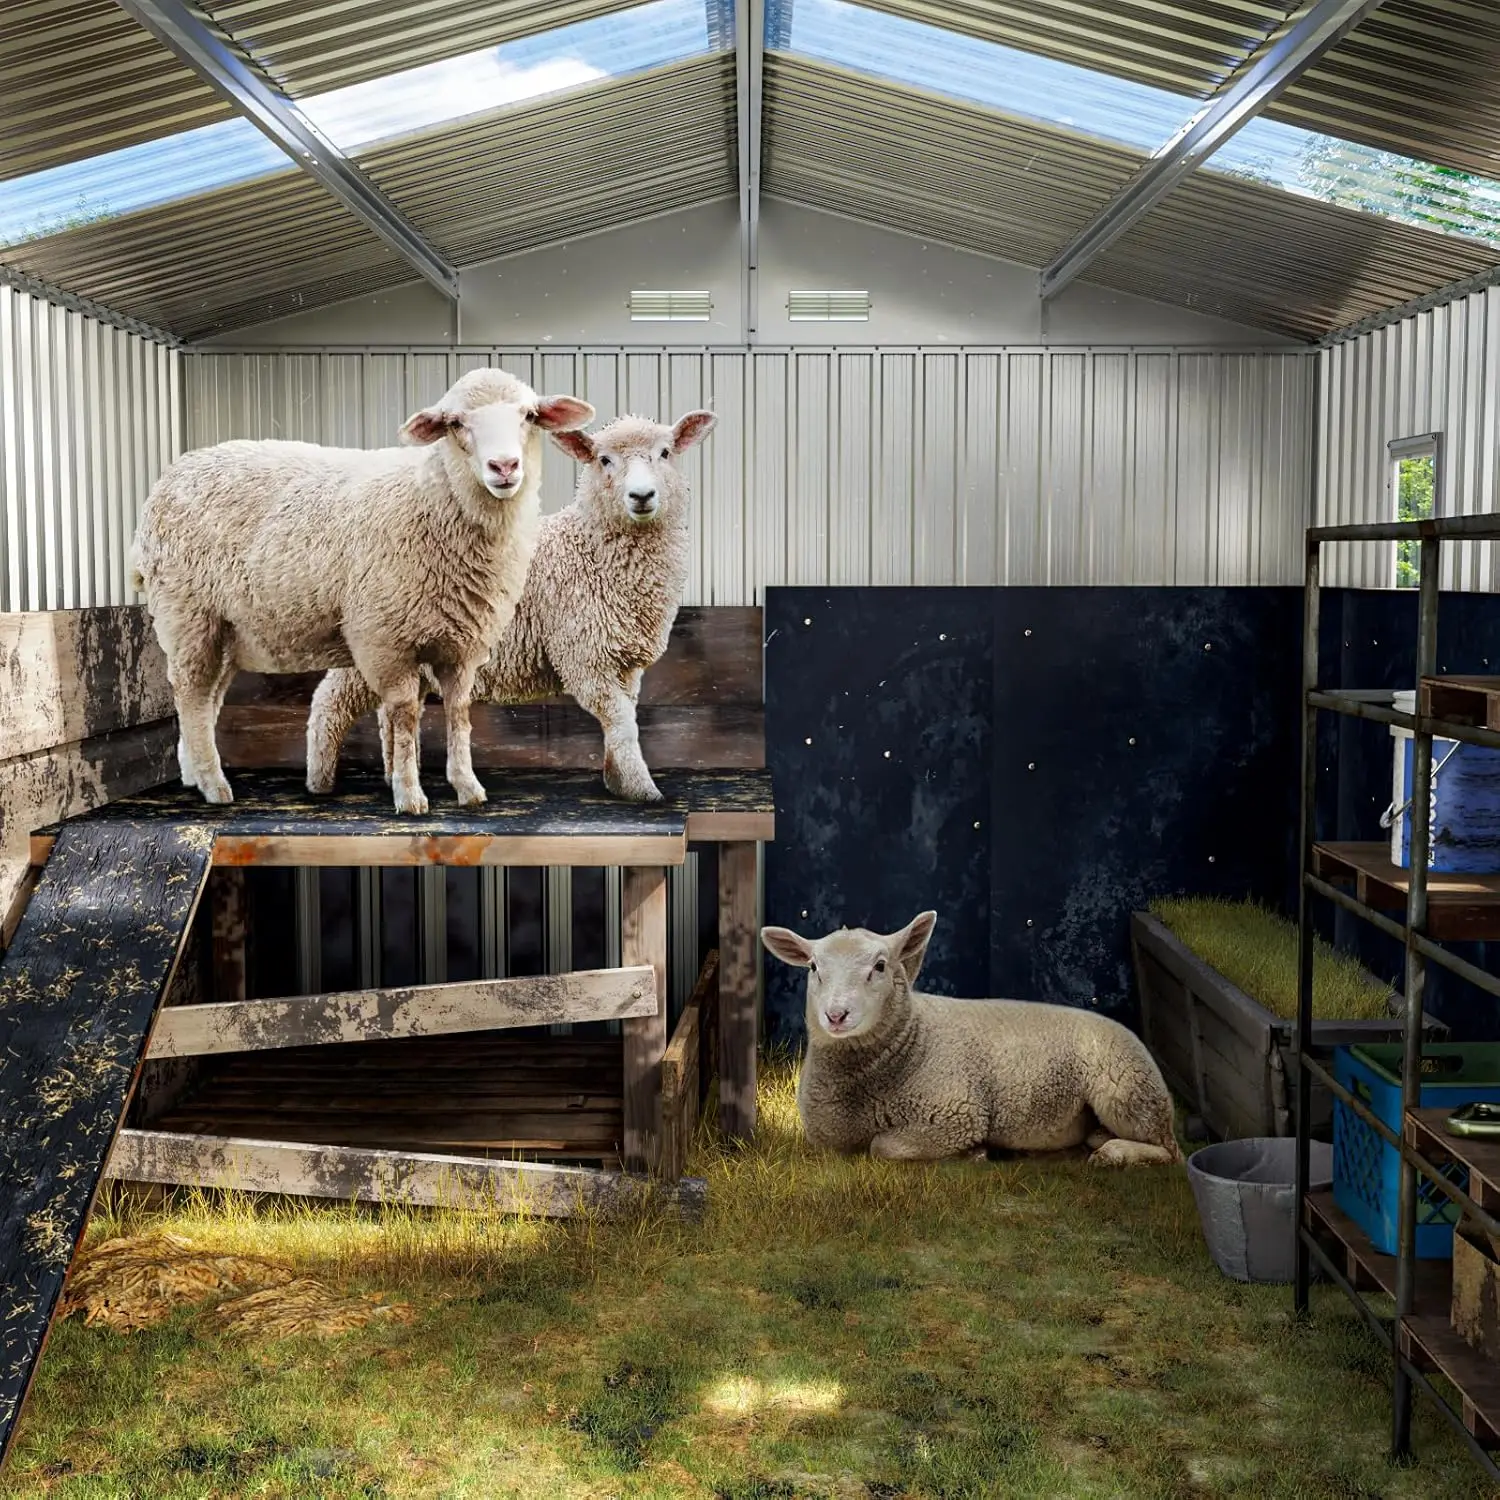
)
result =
(835, 1328)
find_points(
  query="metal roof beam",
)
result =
(182, 30)
(750, 55)
(1322, 24)
(34, 286)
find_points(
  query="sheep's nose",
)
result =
(642, 498)
(837, 1017)
(504, 469)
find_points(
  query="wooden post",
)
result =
(643, 941)
(231, 911)
(739, 1011)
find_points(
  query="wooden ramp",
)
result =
(92, 957)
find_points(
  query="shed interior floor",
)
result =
(470, 1095)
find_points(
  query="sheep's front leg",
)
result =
(341, 698)
(457, 685)
(613, 705)
(401, 698)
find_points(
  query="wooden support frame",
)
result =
(643, 942)
(682, 1070)
(412, 1011)
(739, 988)
(366, 1175)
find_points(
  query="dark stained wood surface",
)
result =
(1459, 907)
(739, 990)
(643, 941)
(701, 708)
(92, 956)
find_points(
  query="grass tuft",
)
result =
(1256, 949)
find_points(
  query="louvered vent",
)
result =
(828, 307)
(670, 307)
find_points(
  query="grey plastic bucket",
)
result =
(1246, 1193)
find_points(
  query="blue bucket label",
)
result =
(1465, 827)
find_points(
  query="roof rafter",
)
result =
(750, 52)
(182, 30)
(1320, 26)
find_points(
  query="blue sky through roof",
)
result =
(1137, 115)
(354, 118)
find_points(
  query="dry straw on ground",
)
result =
(137, 1282)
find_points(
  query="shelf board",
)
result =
(1460, 908)
(1426, 1132)
(1427, 1337)
(1474, 701)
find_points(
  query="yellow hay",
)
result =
(305, 1306)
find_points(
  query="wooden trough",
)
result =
(125, 924)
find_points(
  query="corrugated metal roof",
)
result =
(584, 161)
(883, 152)
(1254, 255)
(81, 78)
(1175, 44)
(1419, 77)
(307, 46)
(221, 260)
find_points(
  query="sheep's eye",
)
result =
(880, 966)
(666, 453)
(605, 460)
(812, 968)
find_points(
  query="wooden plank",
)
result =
(680, 1081)
(92, 957)
(731, 827)
(1426, 1131)
(1430, 1343)
(1459, 907)
(417, 1010)
(425, 1179)
(23, 877)
(230, 918)
(539, 736)
(739, 989)
(1462, 700)
(1377, 1270)
(73, 674)
(643, 941)
(44, 786)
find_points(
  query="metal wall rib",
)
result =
(888, 466)
(89, 416)
(1439, 371)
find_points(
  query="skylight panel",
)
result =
(231, 152)
(1331, 170)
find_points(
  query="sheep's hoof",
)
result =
(470, 794)
(410, 801)
(215, 789)
(320, 786)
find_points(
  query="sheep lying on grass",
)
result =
(286, 557)
(918, 1077)
(596, 610)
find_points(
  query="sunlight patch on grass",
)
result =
(744, 1396)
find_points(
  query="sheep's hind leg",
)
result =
(893, 1145)
(1134, 1112)
(457, 687)
(341, 698)
(200, 677)
(1118, 1152)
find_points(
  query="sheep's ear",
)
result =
(577, 445)
(787, 946)
(692, 428)
(563, 413)
(911, 944)
(428, 425)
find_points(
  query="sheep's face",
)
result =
(854, 977)
(495, 439)
(633, 463)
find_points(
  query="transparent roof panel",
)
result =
(230, 152)
(849, 35)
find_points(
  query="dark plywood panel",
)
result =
(78, 989)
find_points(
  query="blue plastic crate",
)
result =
(1367, 1168)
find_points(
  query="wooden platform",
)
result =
(1460, 908)
(1472, 701)
(1427, 1337)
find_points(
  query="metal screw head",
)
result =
(1029, 922)
(1028, 630)
(1210, 859)
(807, 620)
(887, 754)
(942, 637)
(1132, 739)
(976, 822)
(804, 911)
(808, 740)
(1031, 765)
(1208, 645)
(636, 993)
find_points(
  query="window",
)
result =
(1414, 485)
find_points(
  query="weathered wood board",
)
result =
(373, 1176)
(92, 957)
(416, 1010)
(701, 708)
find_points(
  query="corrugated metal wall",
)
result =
(1436, 372)
(89, 415)
(890, 466)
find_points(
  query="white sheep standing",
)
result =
(280, 556)
(914, 1077)
(597, 608)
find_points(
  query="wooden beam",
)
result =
(418, 1010)
(680, 1082)
(241, 851)
(739, 989)
(643, 941)
(735, 826)
(229, 905)
(424, 1179)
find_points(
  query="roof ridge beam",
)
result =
(185, 33)
(1321, 25)
(750, 54)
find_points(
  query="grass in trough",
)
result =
(1020, 1328)
(1256, 949)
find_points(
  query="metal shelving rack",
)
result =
(1421, 1342)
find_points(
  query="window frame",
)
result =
(1398, 450)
